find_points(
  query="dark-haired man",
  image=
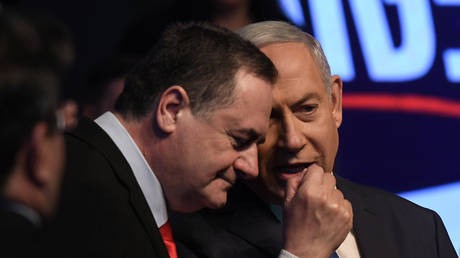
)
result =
(296, 162)
(185, 127)
(32, 157)
(32, 146)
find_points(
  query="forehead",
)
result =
(251, 107)
(298, 73)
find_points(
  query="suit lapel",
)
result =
(253, 221)
(91, 133)
(369, 226)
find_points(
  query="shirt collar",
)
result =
(145, 177)
(23, 210)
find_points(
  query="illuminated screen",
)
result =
(400, 63)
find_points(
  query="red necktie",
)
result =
(166, 233)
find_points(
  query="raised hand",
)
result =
(317, 218)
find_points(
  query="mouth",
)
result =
(291, 170)
(226, 178)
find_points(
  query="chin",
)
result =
(188, 206)
(217, 203)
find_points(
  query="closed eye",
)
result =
(240, 143)
(243, 139)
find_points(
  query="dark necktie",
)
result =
(334, 255)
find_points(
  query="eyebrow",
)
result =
(305, 97)
(275, 112)
(252, 135)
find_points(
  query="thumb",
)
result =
(292, 184)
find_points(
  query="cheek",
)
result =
(267, 167)
(266, 150)
(55, 156)
(210, 164)
(62, 152)
(265, 158)
(267, 155)
(214, 195)
(327, 144)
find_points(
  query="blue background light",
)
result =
(293, 10)
(452, 64)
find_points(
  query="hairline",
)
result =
(206, 111)
(256, 34)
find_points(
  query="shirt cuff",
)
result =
(286, 254)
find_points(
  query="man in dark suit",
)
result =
(296, 163)
(31, 159)
(32, 145)
(185, 126)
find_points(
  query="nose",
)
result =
(291, 137)
(246, 164)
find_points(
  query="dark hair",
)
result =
(146, 29)
(200, 57)
(35, 40)
(27, 97)
(28, 87)
(101, 75)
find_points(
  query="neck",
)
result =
(263, 193)
(143, 134)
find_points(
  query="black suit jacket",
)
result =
(18, 236)
(384, 225)
(102, 212)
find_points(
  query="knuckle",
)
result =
(347, 214)
(316, 199)
(322, 199)
(333, 178)
(339, 194)
(329, 176)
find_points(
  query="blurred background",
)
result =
(399, 59)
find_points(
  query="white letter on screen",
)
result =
(330, 29)
(385, 62)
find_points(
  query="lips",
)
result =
(226, 178)
(290, 170)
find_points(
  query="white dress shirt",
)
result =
(145, 177)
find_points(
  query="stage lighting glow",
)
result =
(385, 62)
(452, 64)
(447, 2)
(293, 9)
(327, 16)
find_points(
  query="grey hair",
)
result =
(271, 32)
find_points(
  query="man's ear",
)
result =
(336, 99)
(35, 153)
(172, 102)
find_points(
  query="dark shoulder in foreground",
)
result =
(385, 223)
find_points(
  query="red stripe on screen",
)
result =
(402, 103)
